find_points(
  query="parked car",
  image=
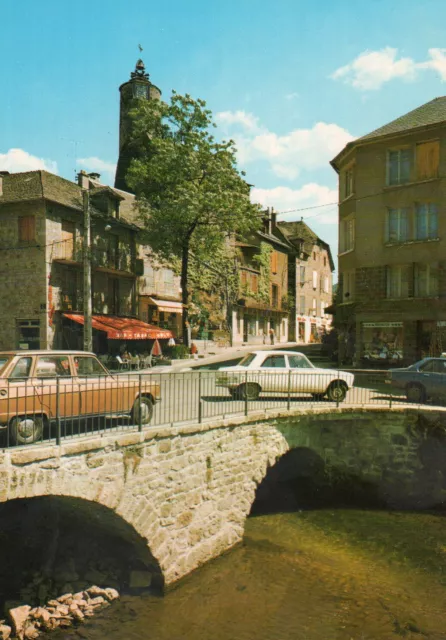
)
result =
(37, 387)
(420, 381)
(283, 372)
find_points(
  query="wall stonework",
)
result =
(188, 490)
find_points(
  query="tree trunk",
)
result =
(185, 293)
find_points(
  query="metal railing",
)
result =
(53, 409)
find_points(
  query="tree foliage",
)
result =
(188, 190)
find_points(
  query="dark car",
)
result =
(421, 381)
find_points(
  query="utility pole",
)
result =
(88, 333)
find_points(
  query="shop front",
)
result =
(253, 326)
(165, 314)
(382, 342)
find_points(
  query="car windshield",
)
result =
(246, 361)
(3, 362)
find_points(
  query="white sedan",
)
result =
(283, 372)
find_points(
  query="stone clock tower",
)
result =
(138, 87)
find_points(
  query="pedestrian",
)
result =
(271, 335)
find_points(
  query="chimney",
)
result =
(83, 179)
(273, 219)
(269, 221)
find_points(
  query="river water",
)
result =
(327, 574)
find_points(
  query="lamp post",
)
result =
(88, 332)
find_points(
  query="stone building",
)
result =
(41, 240)
(392, 247)
(310, 282)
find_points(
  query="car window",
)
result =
(246, 361)
(299, 362)
(3, 362)
(440, 366)
(277, 362)
(88, 366)
(428, 366)
(22, 368)
(52, 366)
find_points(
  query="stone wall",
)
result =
(187, 490)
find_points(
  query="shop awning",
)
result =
(167, 306)
(121, 328)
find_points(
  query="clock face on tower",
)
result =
(140, 90)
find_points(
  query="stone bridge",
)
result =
(183, 493)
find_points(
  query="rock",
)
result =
(63, 609)
(95, 591)
(5, 631)
(52, 603)
(18, 617)
(78, 615)
(30, 632)
(41, 614)
(111, 594)
(140, 579)
(97, 602)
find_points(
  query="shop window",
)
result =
(347, 235)
(428, 159)
(397, 285)
(397, 225)
(426, 222)
(398, 166)
(27, 228)
(426, 280)
(28, 334)
(382, 341)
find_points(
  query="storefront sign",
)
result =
(381, 325)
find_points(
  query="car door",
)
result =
(55, 386)
(274, 373)
(438, 377)
(304, 378)
(427, 377)
(100, 392)
(19, 398)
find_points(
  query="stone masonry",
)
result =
(187, 490)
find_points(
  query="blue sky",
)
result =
(291, 81)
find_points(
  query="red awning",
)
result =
(118, 328)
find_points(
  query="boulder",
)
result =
(30, 632)
(18, 617)
(111, 594)
(5, 631)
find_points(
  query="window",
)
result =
(52, 366)
(348, 182)
(28, 334)
(88, 366)
(302, 305)
(348, 286)
(254, 283)
(277, 362)
(397, 285)
(302, 275)
(274, 295)
(113, 251)
(398, 170)
(244, 278)
(426, 280)
(314, 255)
(397, 225)
(347, 235)
(313, 308)
(22, 368)
(426, 222)
(246, 361)
(274, 262)
(299, 362)
(149, 276)
(325, 261)
(314, 279)
(326, 285)
(27, 228)
(428, 158)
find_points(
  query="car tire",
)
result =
(248, 391)
(234, 393)
(143, 406)
(337, 391)
(317, 396)
(25, 429)
(416, 393)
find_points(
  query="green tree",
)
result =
(188, 190)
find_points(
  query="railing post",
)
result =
(246, 393)
(337, 396)
(139, 412)
(390, 400)
(200, 416)
(58, 430)
(288, 404)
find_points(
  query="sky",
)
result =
(290, 81)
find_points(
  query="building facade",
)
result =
(310, 282)
(392, 242)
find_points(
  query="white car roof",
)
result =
(278, 353)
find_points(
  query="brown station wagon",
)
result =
(38, 387)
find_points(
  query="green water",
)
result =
(318, 575)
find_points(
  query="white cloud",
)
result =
(96, 164)
(371, 69)
(300, 149)
(285, 199)
(20, 160)
(291, 96)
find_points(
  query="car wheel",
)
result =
(317, 396)
(337, 391)
(234, 393)
(416, 393)
(26, 429)
(143, 407)
(248, 391)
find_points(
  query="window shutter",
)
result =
(428, 157)
(274, 262)
(27, 228)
